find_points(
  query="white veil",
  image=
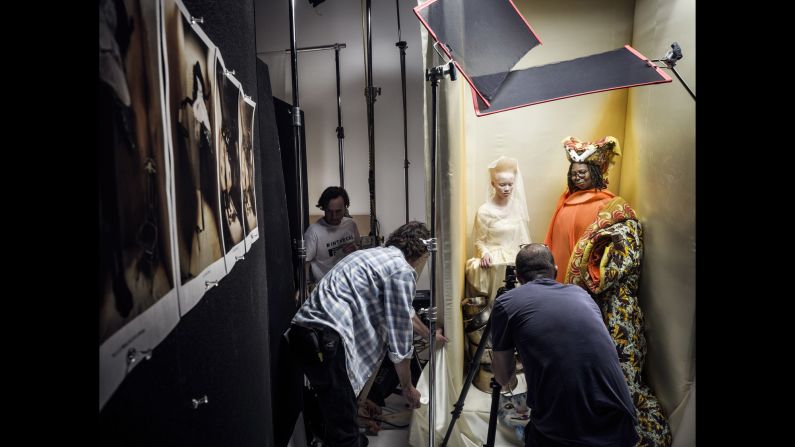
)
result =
(518, 201)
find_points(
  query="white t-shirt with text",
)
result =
(324, 244)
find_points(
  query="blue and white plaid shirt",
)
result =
(366, 298)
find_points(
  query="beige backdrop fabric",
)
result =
(656, 175)
(659, 180)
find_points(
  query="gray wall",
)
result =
(340, 21)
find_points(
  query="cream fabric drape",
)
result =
(453, 227)
(451, 230)
(659, 180)
(451, 234)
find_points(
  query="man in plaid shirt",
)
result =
(360, 310)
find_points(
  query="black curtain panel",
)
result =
(286, 379)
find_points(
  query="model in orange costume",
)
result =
(597, 241)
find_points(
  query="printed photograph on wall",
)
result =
(136, 267)
(229, 162)
(247, 171)
(189, 56)
(137, 291)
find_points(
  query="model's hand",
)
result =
(485, 261)
(440, 338)
(412, 396)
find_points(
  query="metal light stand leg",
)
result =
(495, 403)
(475, 362)
(402, 45)
(340, 130)
(406, 163)
(430, 312)
(670, 59)
(684, 84)
(300, 248)
(433, 75)
(471, 371)
(370, 92)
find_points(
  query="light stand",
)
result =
(670, 59)
(495, 403)
(402, 45)
(430, 312)
(300, 247)
(340, 129)
(471, 371)
(370, 93)
(510, 283)
(433, 75)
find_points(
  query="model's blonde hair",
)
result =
(503, 164)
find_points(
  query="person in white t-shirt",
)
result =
(333, 236)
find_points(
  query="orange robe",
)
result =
(573, 214)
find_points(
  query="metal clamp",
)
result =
(371, 93)
(296, 112)
(195, 20)
(670, 59)
(300, 248)
(197, 402)
(238, 258)
(430, 243)
(439, 72)
(430, 312)
(133, 355)
(444, 57)
(672, 56)
(229, 72)
(209, 284)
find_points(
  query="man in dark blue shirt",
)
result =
(575, 388)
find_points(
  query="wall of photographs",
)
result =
(177, 177)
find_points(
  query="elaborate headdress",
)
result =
(599, 153)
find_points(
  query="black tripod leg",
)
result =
(495, 403)
(473, 365)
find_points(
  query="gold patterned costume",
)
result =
(606, 261)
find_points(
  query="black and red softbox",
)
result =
(485, 39)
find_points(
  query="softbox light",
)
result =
(486, 39)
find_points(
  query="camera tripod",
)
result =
(510, 283)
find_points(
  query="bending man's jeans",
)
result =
(322, 358)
